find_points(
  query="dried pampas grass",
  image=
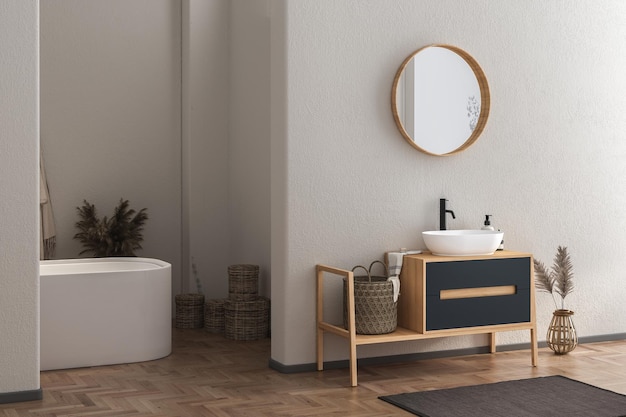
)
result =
(558, 279)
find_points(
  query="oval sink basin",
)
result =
(462, 242)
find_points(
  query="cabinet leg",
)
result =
(492, 342)
(353, 368)
(533, 346)
(320, 349)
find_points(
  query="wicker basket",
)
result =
(243, 282)
(214, 316)
(189, 311)
(375, 312)
(247, 320)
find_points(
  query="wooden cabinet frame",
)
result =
(404, 334)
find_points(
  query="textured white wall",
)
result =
(111, 115)
(549, 165)
(19, 207)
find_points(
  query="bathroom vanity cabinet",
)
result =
(446, 296)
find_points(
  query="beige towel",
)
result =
(395, 267)
(48, 230)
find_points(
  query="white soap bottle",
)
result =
(487, 225)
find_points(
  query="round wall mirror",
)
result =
(440, 99)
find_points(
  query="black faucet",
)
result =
(442, 214)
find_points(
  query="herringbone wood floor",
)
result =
(207, 375)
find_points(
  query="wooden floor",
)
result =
(207, 375)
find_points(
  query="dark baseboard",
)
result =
(412, 357)
(581, 340)
(21, 396)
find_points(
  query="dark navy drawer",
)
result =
(482, 310)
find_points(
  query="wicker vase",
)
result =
(561, 337)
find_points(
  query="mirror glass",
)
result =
(440, 99)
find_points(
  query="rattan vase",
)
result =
(561, 337)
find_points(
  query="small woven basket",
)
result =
(243, 282)
(247, 320)
(375, 312)
(214, 316)
(189, 311)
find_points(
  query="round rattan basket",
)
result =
(247, 320)
(214, 316)
(189, 311)
(243, 282)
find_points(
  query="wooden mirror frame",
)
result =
(485, 103)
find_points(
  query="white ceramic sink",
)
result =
(462, 242)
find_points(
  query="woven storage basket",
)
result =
(214, 316)
(375, 312)
(189, 311)
(243, 282)
(247, 320)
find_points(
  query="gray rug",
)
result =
(552, 396)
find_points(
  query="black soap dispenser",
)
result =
(487, 225)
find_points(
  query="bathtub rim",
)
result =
(73, 262)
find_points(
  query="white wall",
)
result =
(205, 144)
(111, 116)
(549, 165)
(19, 182)
(249, 140)
(168, 43)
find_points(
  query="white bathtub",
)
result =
(104, 311)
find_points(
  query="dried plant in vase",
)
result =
(121, 235)
(561, 337)
(558, 279)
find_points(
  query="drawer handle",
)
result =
(477, 292)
